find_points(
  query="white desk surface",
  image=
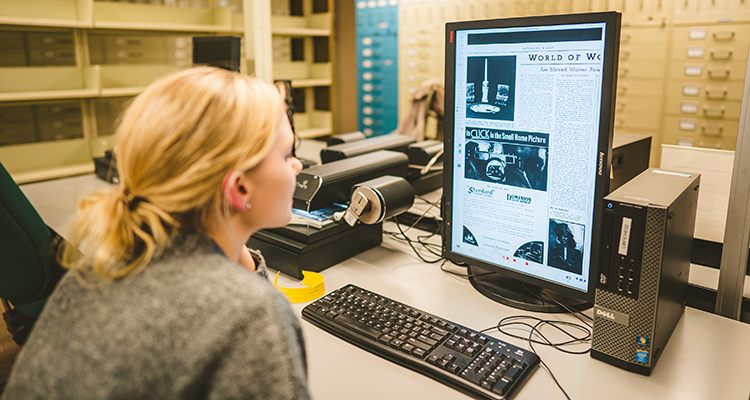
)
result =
(708, 357)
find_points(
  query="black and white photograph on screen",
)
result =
(566, 246)
(531, 251)
(498, 161)
(469, 237)
(490, 87)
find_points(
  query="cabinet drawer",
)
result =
(638, 105)
(713, 53)
(714, 91)
(710, 143)
(17, 132)
(645, 35)
(646, 51)
(708, 71)
(701, 128)
(733, 37)
(637, 121)
(694, 108)
(638, 114)
(641, 69)
(640, 88)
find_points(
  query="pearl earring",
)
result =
(247, 206)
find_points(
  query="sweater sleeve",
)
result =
(264, 354)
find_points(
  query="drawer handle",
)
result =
(621, 89)
(712, 129)
(623, 72)
(721, 54)
(713, 112)
(619, 122)
(625, 38)
(718, 73)
(716, 93)
(620, 107)
(624, 55)
(723, 35)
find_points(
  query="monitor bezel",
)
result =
(613, 21)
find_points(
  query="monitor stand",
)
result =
(524, 296)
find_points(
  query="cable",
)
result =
(442, 268)
(519, 320)
(411, 244)
(546, 367)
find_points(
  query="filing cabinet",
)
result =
(17, 125)
(706, 80)
(641, 78)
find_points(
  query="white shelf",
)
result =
(314, 25)
(58, 13)
(313, 124)
(47, 160)
(302, 71)
(128, 79)
(52, 159)
(304, 83)
(42, 83)
(132, 16)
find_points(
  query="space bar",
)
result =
(356, 326)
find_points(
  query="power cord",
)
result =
(576, 333)
(569, 329)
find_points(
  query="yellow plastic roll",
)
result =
(315, 288)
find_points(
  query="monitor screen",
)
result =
(529, 107)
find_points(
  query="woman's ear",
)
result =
(235, 190)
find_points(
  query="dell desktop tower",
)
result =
(644, 267)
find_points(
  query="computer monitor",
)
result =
(529, 107)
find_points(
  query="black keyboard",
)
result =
(476, 364)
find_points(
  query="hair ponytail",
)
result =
(114, 236)
(175, 143)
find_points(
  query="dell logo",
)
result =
(611, 315)
(605, 314)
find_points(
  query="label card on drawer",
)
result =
(691, 90)
(689, 108)
(697, 34)
(695, 52)
(687, 125)
(693, 70)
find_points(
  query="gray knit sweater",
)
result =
(192, 325)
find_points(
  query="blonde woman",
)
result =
(164, 300)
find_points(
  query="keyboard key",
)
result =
(488, 384)
(502, 387)
(353, 325)
(512, 373)
(418, 344)
(472, 377)
(424, 339)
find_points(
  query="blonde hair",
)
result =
(174, 145)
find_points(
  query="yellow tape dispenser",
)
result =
(315, 288)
